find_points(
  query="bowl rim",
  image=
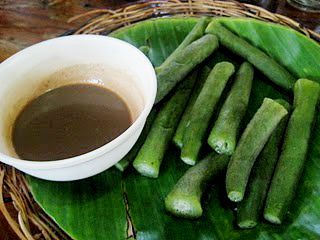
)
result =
(89, 156)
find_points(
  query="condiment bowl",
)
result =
(101, 60)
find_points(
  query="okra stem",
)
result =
(184, 200)
(203, 109)
(126, 160)
(250, 208)
(294, 150)
(196, 33)
(250, 145)
(224, 134)
(150, 156)
(184, 122)
(267, 65)
(182, 63)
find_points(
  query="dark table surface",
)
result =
(25, 22)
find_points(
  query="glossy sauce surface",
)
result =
(69, 121)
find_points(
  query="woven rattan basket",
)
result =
(30, 222)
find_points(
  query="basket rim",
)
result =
(252, 11)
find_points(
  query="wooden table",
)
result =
(25, 22)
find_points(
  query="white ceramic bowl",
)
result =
(102, 60)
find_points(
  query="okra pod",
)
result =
(178, 137)
(250, 145)
(294, 150)
(183, 62)
(196, 33)
(126, 160)
(150, 156)
(250, 208)
(203, 109)
(267, 65)
(184, 200)
(224, 134)
(145, 50)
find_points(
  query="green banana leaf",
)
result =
(98, 207)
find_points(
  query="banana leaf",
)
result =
(98, 207)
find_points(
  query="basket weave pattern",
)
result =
(106, 20)
(30, 221)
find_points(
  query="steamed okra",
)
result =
(294, 151)
(250, 209)
(183, 63)
(250, 145)
(184, 122)
(184, 200)
(150, 156)
(224, 134)
(124, 163)
(202, 111)
(267, 65)
(197, 32)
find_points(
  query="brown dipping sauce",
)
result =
(69, 121)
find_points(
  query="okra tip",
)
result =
(235, 196)
(221, 146)
(188, 160)
(213, 24)
(246, 224)
(146, 170)
(177, 142)
(272, 218)
(120, 167)
(183, 206)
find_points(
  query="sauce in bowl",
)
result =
(69, 121)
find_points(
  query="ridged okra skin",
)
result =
(267, 65)
(251, 207)
(294, 151)
(185, 119)
(124, 163)
(149, 158)
(203, 110)
(250, 145)
(224, 134)
(184, 200)
(183, 63)
(197, 32)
